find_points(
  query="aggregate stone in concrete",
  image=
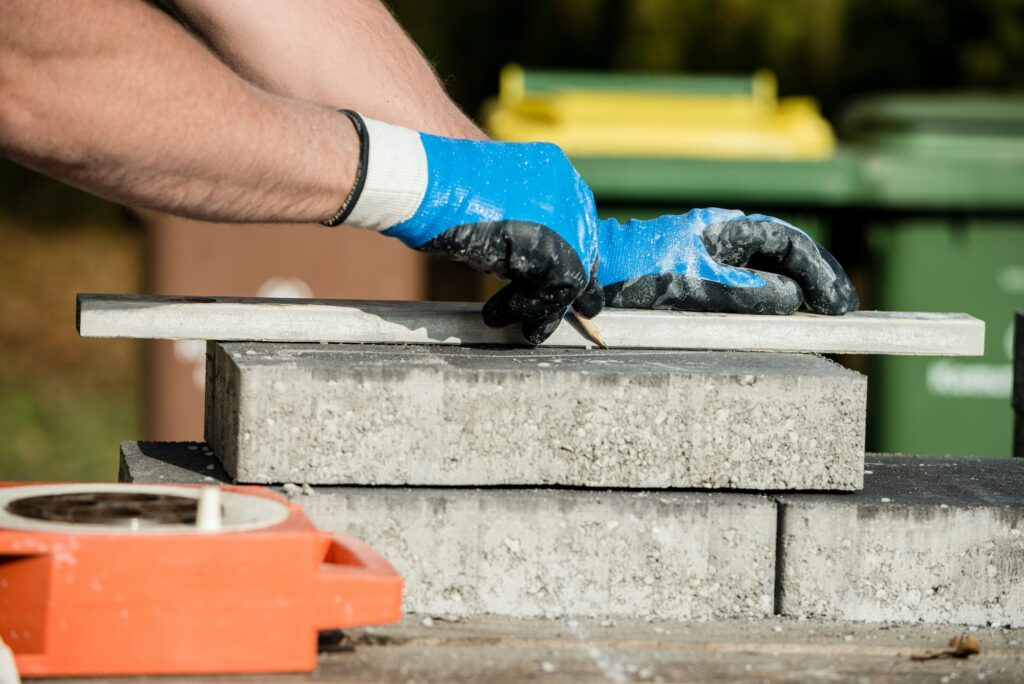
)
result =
(543, 552)
(458, 416)
(929, 539)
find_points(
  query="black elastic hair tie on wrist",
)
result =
(357, 188)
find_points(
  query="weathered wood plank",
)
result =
(321, 320)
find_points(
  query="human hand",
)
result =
(719, 260)
(517, 210)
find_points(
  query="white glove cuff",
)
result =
(392, 178)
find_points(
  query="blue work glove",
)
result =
(517, 210)
(719, 260)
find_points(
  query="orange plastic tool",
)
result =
(153, 579)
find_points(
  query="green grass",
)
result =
(57, 432)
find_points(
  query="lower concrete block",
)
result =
(456, 416)
(929, 539)
(541, 552)
(545, 552)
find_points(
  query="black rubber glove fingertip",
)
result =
(591, 301)
(493, 318)
(497, 311)
(536, 332)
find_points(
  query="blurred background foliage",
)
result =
(66, 402)
(831, 49)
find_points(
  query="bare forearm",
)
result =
(350, 54)
(113, 97)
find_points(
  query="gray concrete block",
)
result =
(547, 552)
(542, 552)
(929, 539)
(455, 416)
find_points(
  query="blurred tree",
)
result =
(798, 39)
(910, 44)
(832, 49)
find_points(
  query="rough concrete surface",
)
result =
(543, 552)
(490, 650)
(362, 414)
(929, 539)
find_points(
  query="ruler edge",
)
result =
(969, 330)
